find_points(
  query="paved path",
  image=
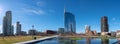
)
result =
(41, 39)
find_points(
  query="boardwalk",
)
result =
(33, 41)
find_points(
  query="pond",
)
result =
(78, 41)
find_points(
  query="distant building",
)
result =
(61, 30)
(94, 32)
(39, 33)
(7, 24)
(51, 32)
(32, 32)
(23, 33)
(118, 33)
(104, 26)
(113, 34)
(18, 28)
(69, 23)
(88, 31)
(87, 28)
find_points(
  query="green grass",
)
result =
(76, 38)
(15, 39)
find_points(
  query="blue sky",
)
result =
(48, 14)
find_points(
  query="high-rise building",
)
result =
(18, 28)
(104, 25)
(7, 24)
(12, 30)
(87, 28)
(69, 22)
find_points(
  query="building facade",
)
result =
(87, 28)
(118, 33)
(32, 32)
(61, 30)
(51, 32)
(7, 24)
(104, 25)
(23, 33)
(89, 32)
(69, 22)
(18, 28)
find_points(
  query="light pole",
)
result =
(32, 31)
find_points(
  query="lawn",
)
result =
(15, 39)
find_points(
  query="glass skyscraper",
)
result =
(69, 23)
(104, 25)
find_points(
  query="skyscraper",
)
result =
(7, 24)
(18, 28)
(69, 22)
(87, 29)
(104, 25)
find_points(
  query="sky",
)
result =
(48, 14)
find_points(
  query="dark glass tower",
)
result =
(70, 23)
(104, 24)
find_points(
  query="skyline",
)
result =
(47, 14)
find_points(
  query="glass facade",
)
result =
(70, 23)
(104, 24)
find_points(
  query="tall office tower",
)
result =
(18, 28)
(104, 25)
(7, 24)
(87, 28)
(69, 22)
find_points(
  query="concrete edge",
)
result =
(33, 41)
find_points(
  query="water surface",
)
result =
(81, 41)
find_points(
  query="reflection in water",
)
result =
(66, 41)
(117, 42)
(104, 41)
(88, 40)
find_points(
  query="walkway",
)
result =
(33, 41)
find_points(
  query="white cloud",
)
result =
(38, 12)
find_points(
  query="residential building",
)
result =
(18, 28)
(7, 24)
